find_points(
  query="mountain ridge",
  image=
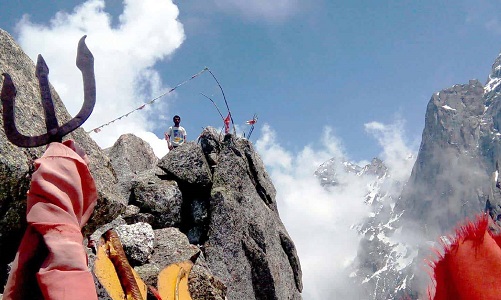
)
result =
(454, 177)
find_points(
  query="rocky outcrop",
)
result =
(450, 181)
(16, 164)
(247, 245)
(383, 261)
(210, 202)
(162, 199)
(490, 136)
(214, 203)
(328, 171)
(215, 206)
(455, 176)
(151, 199)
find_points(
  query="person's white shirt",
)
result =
(177, 135)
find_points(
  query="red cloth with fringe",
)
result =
(470, 268)
(51, 261)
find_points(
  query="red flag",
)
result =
(251, 122)
(227, 124)
(470, 268)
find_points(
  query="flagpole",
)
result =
(226, 102)
(222, 117)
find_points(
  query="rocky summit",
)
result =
(210, 201)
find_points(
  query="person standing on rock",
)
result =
(176, 135)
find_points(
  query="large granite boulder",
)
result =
(137, 241)
(16, 164)
(188, 165)
(171, 246)
(160, 198)
(203, 285)
(129, 156)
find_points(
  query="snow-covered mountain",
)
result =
(454, 177)
(380, 258)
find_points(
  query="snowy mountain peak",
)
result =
(328, 172)
(494, 80)
(376, 168)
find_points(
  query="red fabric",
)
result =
(470, 268)
(227, 124)
(60, 201)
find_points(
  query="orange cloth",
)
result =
(60, 201)
(470, 268)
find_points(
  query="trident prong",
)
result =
(55, 133)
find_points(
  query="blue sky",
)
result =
(343, 79)
(304, 65)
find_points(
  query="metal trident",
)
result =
(55, 133)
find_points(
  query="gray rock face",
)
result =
(204, 286)
(210, 142)
(16, 164)
(491, 96)
(229, 209)
(247, 246)
(172, 246)
(375, 168)
(96, 235)
(449, 180)
(490, 136)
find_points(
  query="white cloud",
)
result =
(125, 56)
(396, 155)
(273, 155)
(318, 219)
(277, 10)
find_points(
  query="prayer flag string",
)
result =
(98, 129)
